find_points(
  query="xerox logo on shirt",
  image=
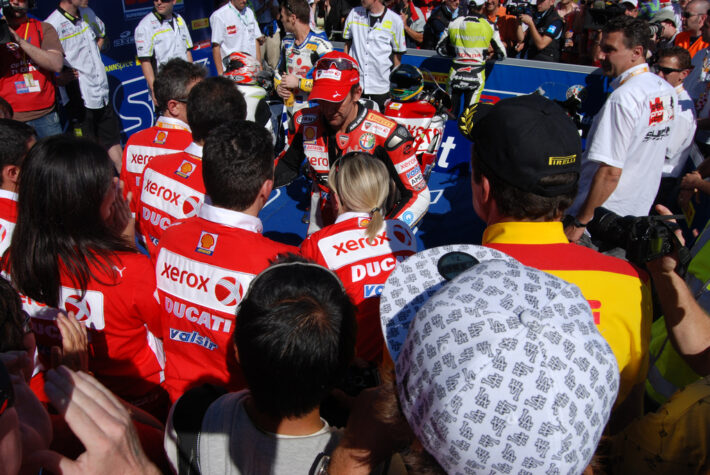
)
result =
(137, 157)
(202, 284)
(349, 247)
(168, 195)
(89, 310)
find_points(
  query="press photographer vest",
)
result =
(552, 51)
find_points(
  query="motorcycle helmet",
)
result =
(406, 82)
(241, 68)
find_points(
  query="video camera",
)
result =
(5, 36)
(644, 238)
(599, 12)
(517, 8)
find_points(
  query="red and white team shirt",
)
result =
(363, 266)
(122, 316)
(167, 136)
(203, 269)
(8, 218)
(171, 188)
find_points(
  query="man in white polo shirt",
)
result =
(92, 115)
(374, 37)
(161, 36)
(234, 29)
(626, 147)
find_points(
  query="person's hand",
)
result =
(35, 424)
(66, 76)
(519, 46)
(74, 352)
(283, 92)
(261, 40)
(100, 422)
(526, 20)
(16, 38)
(573, 233)
(691, 181)
(669, 262)
(290, 81)
(120, 219)
(17, 362)
(404, 17)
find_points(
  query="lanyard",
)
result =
(635, 73)
(239, 14)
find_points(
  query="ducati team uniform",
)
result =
(370, 132)
(468, 38)
(122, 317)
(26, 87)
(167, 136)
(8, 218)
(425, 123)
(171, 189)
(160, 40)
(299, 61)
(632, 132)
(203, 269)
(618, 293)
(363, 266)
(234, 31)
(374, 40)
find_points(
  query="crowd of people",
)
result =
(147, 325)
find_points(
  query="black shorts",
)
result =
(100, 124)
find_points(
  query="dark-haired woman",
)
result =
(68, 253)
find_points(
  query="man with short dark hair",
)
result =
(294, 339)
(198, 309)
(340, 124)
(541, 32)
(17, 138)
(170, 134)
(626, 145)
(525, 163)
(171, 187)
(27, 67)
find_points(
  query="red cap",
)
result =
(333, 76)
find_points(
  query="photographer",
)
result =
(27, 64)
(540, 33)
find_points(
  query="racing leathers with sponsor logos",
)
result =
(299, 60)
(171, 189)
(122, 318)
(204, 266)
(8, 218)
(168, 135)
(467, 39)
(370, 132)
(425, 123)
(363, 266)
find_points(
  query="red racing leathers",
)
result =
(204, 267)
(171, 189)
(8, 218)
(370, 132)
(425, 123)
(363, 266)
(168, 135)
(123, 321)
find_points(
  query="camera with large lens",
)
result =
(656, 29)
(644, 238)
(518, 8)
(5, 36)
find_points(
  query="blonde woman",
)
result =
(362, 247)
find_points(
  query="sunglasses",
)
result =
(664, 70)
(688, 14)
(341, 64)
(7, 395)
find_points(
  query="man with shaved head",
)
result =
(694, 16)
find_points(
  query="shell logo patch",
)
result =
(207, 243)
(185, 169)
(161, 137)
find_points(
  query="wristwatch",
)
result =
(577, 224)
(322, 465)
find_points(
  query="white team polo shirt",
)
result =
(235, 31)
(632, 132)
(372, 46)
(163, 38)
(81, 53)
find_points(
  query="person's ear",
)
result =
(265, 190)
(10, 174)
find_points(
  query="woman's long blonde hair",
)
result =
(362, 184)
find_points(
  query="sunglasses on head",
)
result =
(341, 64)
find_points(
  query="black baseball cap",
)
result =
(525, 138)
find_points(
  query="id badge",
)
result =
(29, 85)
